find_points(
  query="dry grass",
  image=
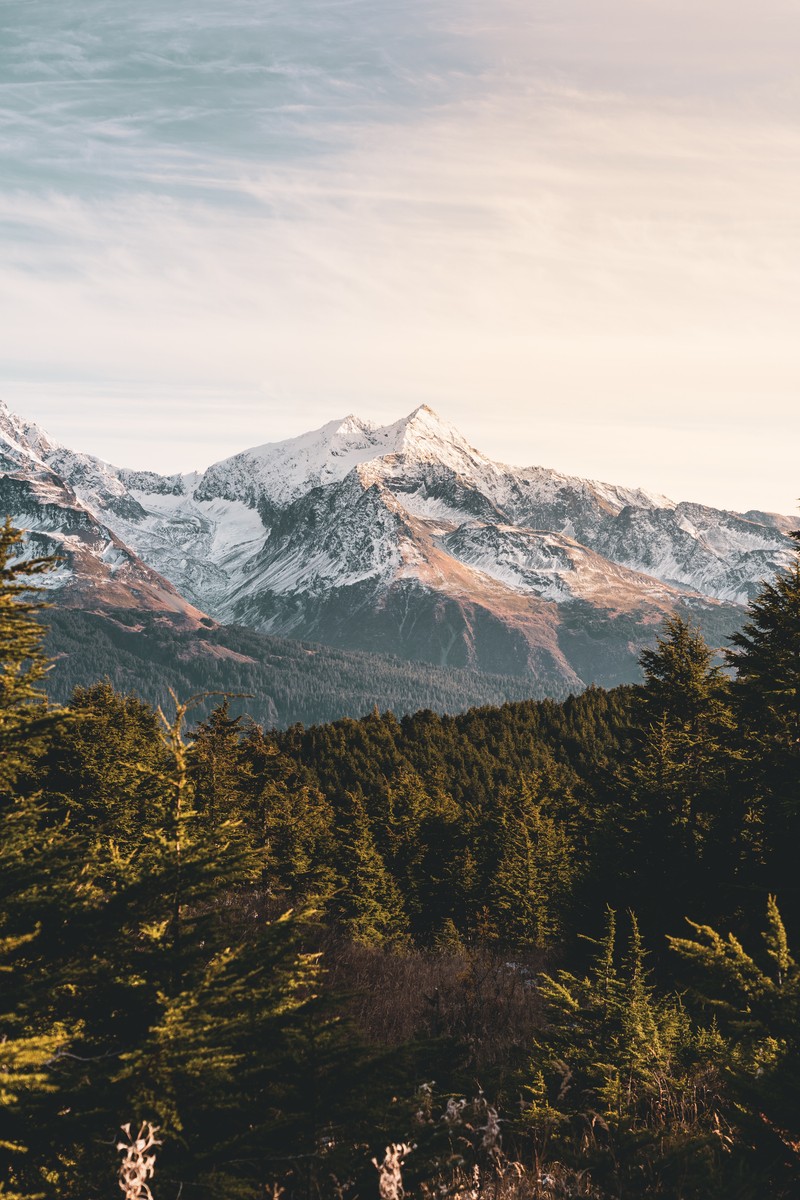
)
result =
(475, 997)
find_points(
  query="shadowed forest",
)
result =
(540, 950)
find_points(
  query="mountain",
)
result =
(116, 618)
(405, 540)
(96, 566)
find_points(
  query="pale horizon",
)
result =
(570, 231)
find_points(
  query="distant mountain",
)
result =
(404, 539)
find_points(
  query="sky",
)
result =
(572, 227)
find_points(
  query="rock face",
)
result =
(401, 539)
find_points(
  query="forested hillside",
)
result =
(283, 681)
(464, 938)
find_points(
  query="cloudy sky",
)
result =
(571, 226)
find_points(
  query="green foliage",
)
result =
(766, 658)
(680, 680)
(103, 765)
(32, 892)
(288, 822)
(535, 871)
(33, 882)
(621, 1081)
(264, 942)
(368, 904)
(24, 717)
(216, 990)
(758, 1004)
(679, 808)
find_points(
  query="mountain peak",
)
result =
(22, 437)
(424, 417)
(350, 426)
(426, 436)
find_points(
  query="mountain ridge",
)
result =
(405, 539)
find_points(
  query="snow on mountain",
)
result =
(96, 566)
(277, 473)
(548, 565)
(405, 538)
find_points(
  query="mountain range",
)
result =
(400, 540)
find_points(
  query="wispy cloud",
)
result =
(549, 212)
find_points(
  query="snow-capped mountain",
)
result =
(405, 539)
(95, 567)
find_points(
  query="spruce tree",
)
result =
(288, 822)
(367, 904)
(766, 658)
(536, 870)
(610, 1073)
(182, 994)
(680, 813)
(681, 680)
(765, 655)
(39, 877)
(25, 719)
(216, 764)
(100, 766)
(755, 998)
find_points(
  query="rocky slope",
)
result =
(405, 539)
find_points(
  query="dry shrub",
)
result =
(511, 1181)
(475, 996)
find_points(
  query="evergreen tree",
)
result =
(216, 765)
(181, 995)
(39, 882)
(24, 717)
(757, 1003)
(535, 873)
(680, 811)
(766, 658)
(288, 822)
(417, 830)
(681, 681)
(621, 1084)
(368, 905)
(38, 876)
(101, 766)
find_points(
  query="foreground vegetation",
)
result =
(462, 938)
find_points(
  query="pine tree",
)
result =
(680, 678)
(535, 873)
(368, 905)
(610, 1074)
(288, 822)
(25, 720)
(100, 766)
(766, 658)
(216, 764)
(681, 815)
(756, 1000)
(766, 692)
(38, 875)
(184, 993)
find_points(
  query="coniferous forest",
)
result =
(539, 950)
